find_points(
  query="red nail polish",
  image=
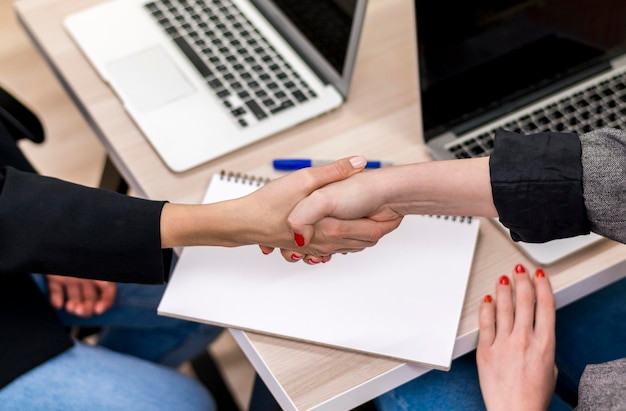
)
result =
(539, 273)
(295, 257)
(299, 239)
(488, 299)
(520, 269)
(311, 261)
(504, 280)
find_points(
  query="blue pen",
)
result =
(288, 164)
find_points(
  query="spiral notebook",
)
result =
(401, 299)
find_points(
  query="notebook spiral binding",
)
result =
(460, 219)
(243, 178)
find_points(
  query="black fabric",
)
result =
(10, 153)
(30, 333)
(50, 226)
(537, 187)
(54, 227)
(21, 122)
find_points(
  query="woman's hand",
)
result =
(80, 296)
(516, 344)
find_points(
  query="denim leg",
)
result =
(86, 378)
(132, 326)
(457, 389)
(591, 330)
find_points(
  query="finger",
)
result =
(266, 250)
(504, 307)
(524, 300)
(361, 230)
(56, 292)
(312, 260)
(291, 256)
(74, 294)
(318, 177)
(91, 295)
(332, 235)
(545, 317)
(486, 323)
(108, 292)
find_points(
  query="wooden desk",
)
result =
(380, 120)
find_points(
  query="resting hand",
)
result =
(79, 296)
(516, 344)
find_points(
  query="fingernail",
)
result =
(520, 269)
(295, 257)
(539, 273)
(299, 239)
(312, 261)
(358, 161)
(264, 252)
(504, 280)
(488, 299)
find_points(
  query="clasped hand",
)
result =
(343, 213)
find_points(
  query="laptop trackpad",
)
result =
(148, 79)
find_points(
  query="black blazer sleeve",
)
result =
(537, 187)
(55, 227)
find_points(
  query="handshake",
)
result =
(309, 215)
(315, 212)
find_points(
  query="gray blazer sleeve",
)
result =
(604, 181)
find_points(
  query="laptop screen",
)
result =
(326, 24)
(482, 55)
(325, 33)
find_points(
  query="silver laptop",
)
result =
(525, 66)
(202, 78)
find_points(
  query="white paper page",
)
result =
(401, 299)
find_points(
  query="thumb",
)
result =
(319, 177)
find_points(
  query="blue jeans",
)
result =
(132, 326)
(94, 378)
(589, 331)
(129, 368)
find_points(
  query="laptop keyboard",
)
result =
(601, 105)
(252, 80)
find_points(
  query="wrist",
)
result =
(217, 224)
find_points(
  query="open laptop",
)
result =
(202, 78)
(525, 66)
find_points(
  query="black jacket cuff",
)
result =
(536, 182)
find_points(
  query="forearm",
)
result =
(218, 224)
(458, 187)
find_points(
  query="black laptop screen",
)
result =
(479, 55)
(325, 23)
